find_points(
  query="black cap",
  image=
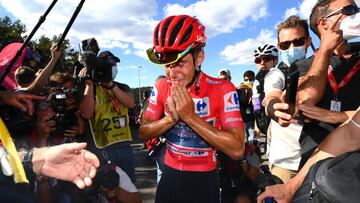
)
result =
(106, 54)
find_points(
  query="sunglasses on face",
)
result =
(296, 42)
(265, 59)
(346, 10)
(168, 58)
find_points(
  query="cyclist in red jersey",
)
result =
(201, 114)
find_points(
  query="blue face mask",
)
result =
(292, 54)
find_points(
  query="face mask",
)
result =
(292, 54)
(114, 72)
(351, 26)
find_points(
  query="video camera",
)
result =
(98, 67)
(64, 119)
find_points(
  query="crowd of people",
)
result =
(203, 132)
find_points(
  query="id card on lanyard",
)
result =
(115, 103)
(335, 104)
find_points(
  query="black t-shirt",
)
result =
(314, 133)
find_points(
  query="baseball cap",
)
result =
(106, 54)
(224, 71)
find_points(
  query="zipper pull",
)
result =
(313, 190)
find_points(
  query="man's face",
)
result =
(181, 72)
(336, 6)
(265, 62)
(293, 37)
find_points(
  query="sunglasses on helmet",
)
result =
(346, 10)
(264, 58)
(296, 42)
(167, 58)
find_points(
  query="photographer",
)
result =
(106, 104)
(63, 95)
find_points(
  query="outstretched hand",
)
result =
(69, 162)
(20, 100)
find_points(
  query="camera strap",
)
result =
(113, 100)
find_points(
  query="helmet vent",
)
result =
(176, 31)
(186, 35)
(164, 31)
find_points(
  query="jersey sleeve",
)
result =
(229, 107)
(155, 108)
(274, 80)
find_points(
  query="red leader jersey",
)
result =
(216, 101)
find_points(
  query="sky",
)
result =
(125, 27)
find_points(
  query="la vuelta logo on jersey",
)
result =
(153, 96)
(202, 106)
(231, 102)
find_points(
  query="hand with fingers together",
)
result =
(184, 104)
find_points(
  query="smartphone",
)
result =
(292, 79)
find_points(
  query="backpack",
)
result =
(335, 180)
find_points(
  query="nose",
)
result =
(172, 72)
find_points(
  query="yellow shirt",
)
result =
(107, 125)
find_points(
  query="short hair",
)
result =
(320, 9)
(293, 22)
(249, 74)
(58, 79)
(24, 75)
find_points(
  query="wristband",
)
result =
(28, 165)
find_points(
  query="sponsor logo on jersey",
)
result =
(208, 80)
(153, 96)
(231, 102)
(202, 106)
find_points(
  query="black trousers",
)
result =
(185, 186)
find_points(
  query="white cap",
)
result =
(227, 72)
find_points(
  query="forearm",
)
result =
(125, 98)
(312, 86)
(344, 139)
(230, 142)
(87, 103)
(41, 79)
(151, 129)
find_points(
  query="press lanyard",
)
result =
(344, 81)
(113, 100)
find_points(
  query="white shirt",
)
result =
(284, 148)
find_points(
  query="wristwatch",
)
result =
(28, 165)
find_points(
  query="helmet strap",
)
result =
(196, 75)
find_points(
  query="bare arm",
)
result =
(43, 77)
(344, 139)
(150, 129)
(312, 87)
(87, 103)
(229, 141)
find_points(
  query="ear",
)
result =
(322, 25)
(200, 58)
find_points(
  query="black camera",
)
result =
(98, 66)
(64, 119)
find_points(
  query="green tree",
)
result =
(10, 32)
